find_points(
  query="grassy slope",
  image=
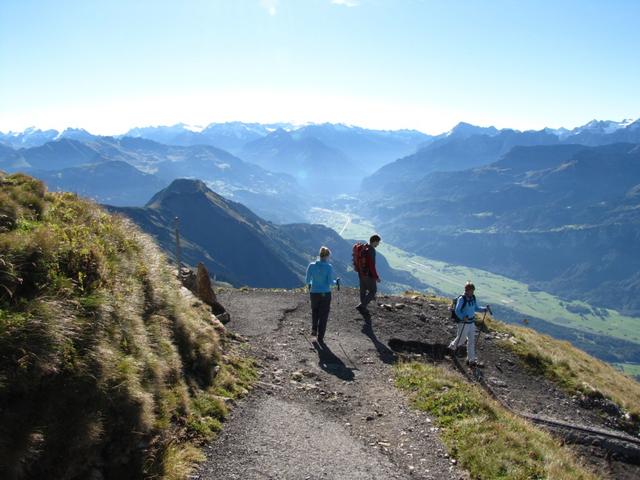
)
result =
(494, 289)
(571, 368)
(104, 365)
(630, 369)
(487, 441)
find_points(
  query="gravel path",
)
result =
(321, 413)
(333, 412)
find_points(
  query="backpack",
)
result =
(359, 254)
(452, 308)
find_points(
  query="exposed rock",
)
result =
(497, 382)
(204, 290)
(200, 285)
(217, 323)
(187, 278)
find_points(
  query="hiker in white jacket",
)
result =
(465, 311)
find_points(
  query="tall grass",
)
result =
(104, 367)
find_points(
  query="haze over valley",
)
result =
(554, 209)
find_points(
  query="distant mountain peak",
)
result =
(27, 131)
(192, 128)
(278, 135)
(181, 187)
(187, 185)
(603, 126)
(74, 133)
(464, 130)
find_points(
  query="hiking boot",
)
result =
(314, 332)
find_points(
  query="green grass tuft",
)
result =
(488, 441)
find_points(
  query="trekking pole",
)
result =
(176, 223)
(481, 329)
(308, 340)
(355, 367)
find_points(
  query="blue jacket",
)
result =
(320, 277)
(469, 309)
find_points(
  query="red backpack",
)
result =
(359, 255)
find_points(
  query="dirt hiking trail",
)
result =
(333, 412)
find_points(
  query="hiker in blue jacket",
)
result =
(465, 312)
(320, 278)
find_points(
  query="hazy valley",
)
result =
(553, 210)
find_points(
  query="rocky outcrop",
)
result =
(199, 284)
(204, 290)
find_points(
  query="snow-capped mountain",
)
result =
(603, 126)
(601, 132)
(75, 134)
(230, 136)
(30, 137)
(465, 130)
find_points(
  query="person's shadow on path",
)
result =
(385, 353)
(331, 363)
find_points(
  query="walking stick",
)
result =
(481, 329)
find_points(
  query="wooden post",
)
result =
(176, 222)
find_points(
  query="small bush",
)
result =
(179, 461)
(20, 197)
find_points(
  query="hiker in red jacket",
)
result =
(368, 276)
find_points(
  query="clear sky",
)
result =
(108, 65)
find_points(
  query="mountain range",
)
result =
(498, 199)
(562, 218)
(467, 146)
(238, 246)
(319, 169)
(325, 160)
(230, 136)
(147, 166)
(367, 147)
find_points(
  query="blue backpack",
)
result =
(454, 302)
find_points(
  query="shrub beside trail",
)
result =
(106, 370)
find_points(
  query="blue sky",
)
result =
(113, 64)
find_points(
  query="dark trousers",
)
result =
(320, 306)
(368, 289)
